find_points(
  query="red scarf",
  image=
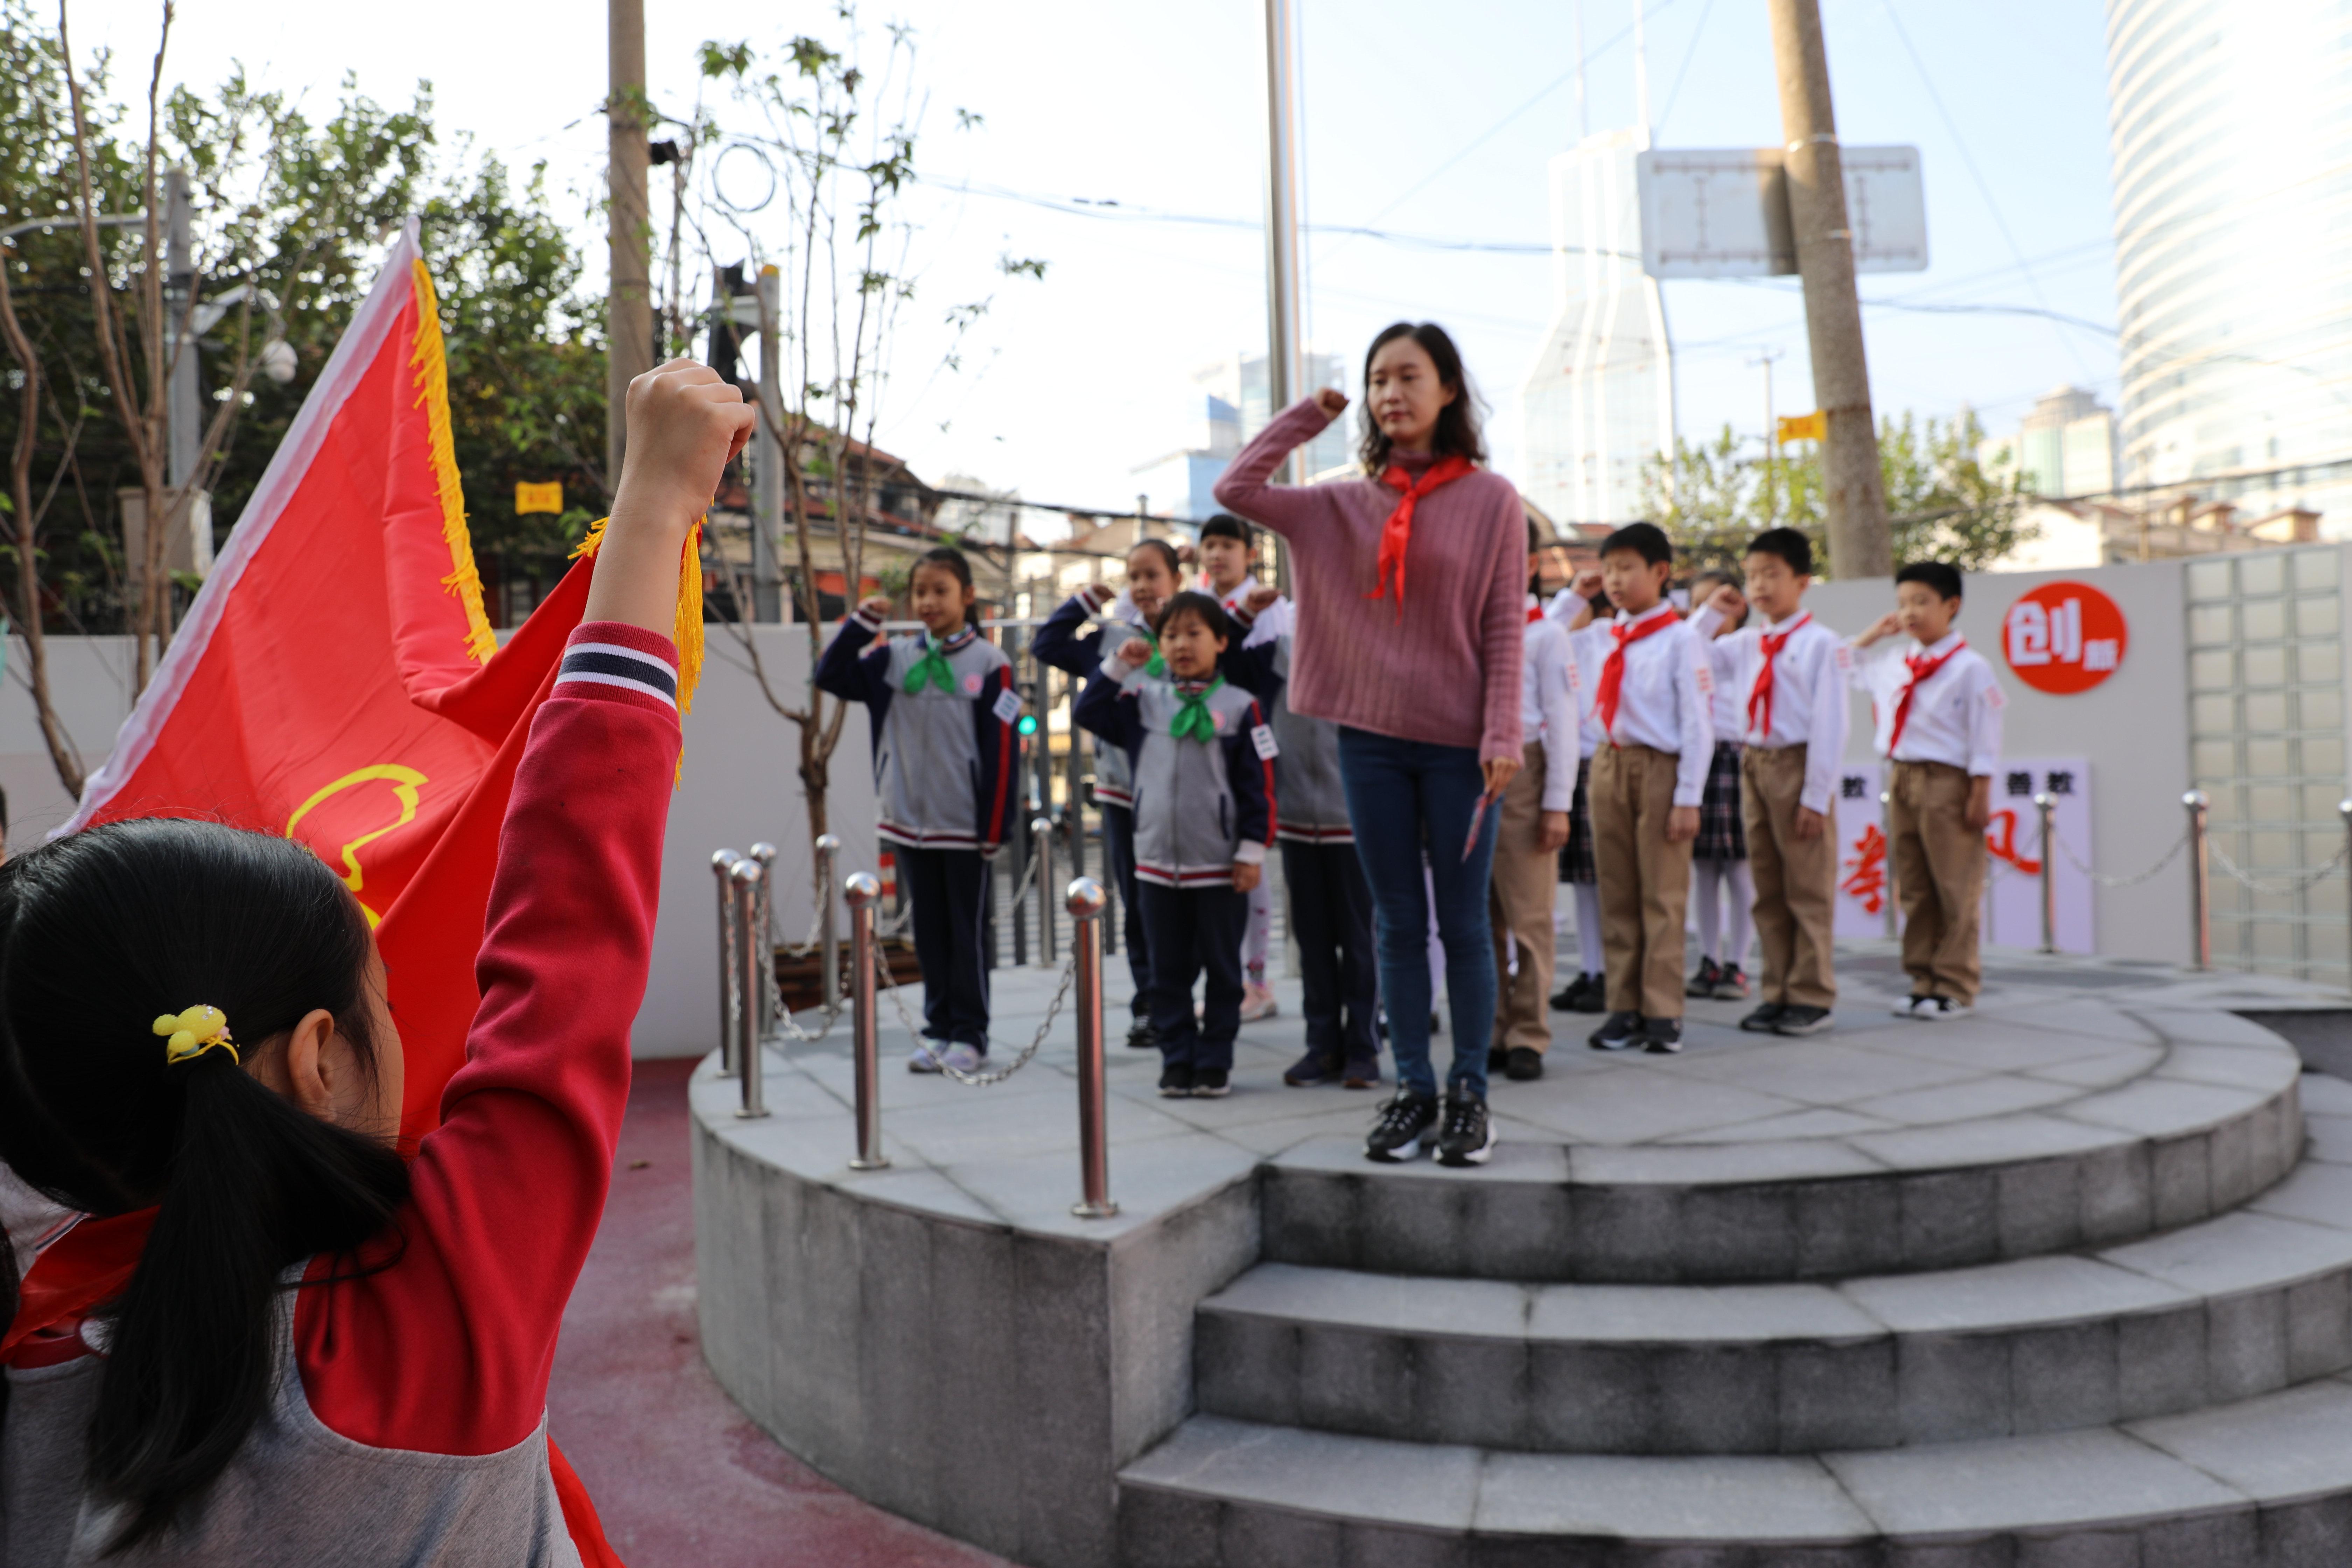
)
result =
(1760, 694)
(1535, 614)
(1397, 533)
(1921, 668)
(1612, 669)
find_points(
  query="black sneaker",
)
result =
(1495, 1057)
(1564, 999)
(1944, 1009)
(1468, 1137)
(1143, 1036)
(1622, 1032)
(1403, 1128)
(1211, 1083)
(1176, 1081)
(1760, 1021)
(1731, 985)
(1801, 1021)
(1661, 1037)
(1595, 997)
(1312, 1068)
(1703, 983)
(1522, 1064)
(1361, 1072)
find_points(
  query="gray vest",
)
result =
(1114, 775)
(1313, 803)
(926, 770)
(295, 1495)
(1184, 828)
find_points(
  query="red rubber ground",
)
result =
(682, 1477)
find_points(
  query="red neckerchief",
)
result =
(1761, 692)
(1612, 669)
(1397, 533)
(1535, 614)
(1920, 668)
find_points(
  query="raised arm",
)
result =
(855, 665)
(1106, 707)
(1298, 512)
(1061, 643)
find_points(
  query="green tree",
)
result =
(1943, 503)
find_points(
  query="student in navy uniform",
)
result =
(947, 781)
(1204, 816)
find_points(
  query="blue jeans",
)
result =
(1405, 798)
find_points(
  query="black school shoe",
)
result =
(1403, 1128)
(1176, 1081)
(1595, 997)
(1731, 985)
(1522, 1064)
(1212, 1083)
(1143, 1036)
(1622, 1032)
(1801, 1021)
(1761, 1021)
(1361, 1072)
(1703, 983)
(1312, 1068)
(1468, 1137)
(1661, 1037)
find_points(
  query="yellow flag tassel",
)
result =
(431, 362)
(687, 633)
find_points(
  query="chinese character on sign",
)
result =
(1866, 869)
(1850, 787)
(2019, 783)
(2063, 637)
(2062, 782)
(2100, 653)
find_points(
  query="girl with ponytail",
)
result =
(329, 1352)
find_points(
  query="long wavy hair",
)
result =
(1457, 433)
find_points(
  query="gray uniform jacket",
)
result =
(1314, 806)
(946, 763)
(1200, 806)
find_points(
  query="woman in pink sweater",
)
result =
(1410, 607)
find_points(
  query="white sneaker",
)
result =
(924, 1059)
(1915, 1006)
(1944, 1009)
(1258, 1003)
(964, 1058)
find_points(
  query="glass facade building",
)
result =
(2230, 126)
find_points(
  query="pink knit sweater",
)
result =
(1449, 671)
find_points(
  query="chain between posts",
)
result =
(2294, 884)
(884, 979)
(2076, 861)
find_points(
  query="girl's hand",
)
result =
(1245, 875)
(1135, 651)
(1332, 401)
(686, 424)
(878, 606)
(1500, 772)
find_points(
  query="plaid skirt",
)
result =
(1720, 834)
(1576, 861)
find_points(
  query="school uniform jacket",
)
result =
(947, 764)
(1307, 771)
(1200, 806)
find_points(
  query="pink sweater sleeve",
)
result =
(446, 1348)
(1300, 513)
(1503, 632)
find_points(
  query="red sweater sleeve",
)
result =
(1502, 636)
(1300, 513)
(447, 1348)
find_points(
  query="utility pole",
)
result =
(768, 462)
(184, 411)
(1282, 361)
(1771, 441)
(1854, 493)
(629, 322)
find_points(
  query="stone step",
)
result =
(2262, 1483)
(2229, 1308)
(2213, 1120)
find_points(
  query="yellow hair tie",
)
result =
(191, 1034)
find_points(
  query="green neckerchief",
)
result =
(932, 668)
(1192, 716)
(1157, 666)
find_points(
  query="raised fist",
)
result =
(1332, 401)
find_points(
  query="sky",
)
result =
(1428, 124)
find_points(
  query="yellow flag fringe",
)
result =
(432, 365)
(687, 631)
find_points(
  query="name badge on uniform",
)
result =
(1262, 739)
(1008, 706)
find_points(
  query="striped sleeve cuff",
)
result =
(614, 661)
(1094, 595)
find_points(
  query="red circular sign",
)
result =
(2063, 637)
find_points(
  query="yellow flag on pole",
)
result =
(1814, 426)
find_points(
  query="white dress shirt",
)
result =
(1809, 685)
(1271, 622)
(1666, 698)
(1549, 710)
(1954, 715)
(1588, 647)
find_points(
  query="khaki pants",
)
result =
(1939, 872)
(1645, 880)
(1518, 900)
(1796, 878)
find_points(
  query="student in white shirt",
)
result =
(1722, 895)
(1788, 684)
(1654, 701)
(1938, 708)
(1582, 610)
(1225, 547)
(1529, 838)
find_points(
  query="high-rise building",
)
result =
(1227, 406)
(2065, 446)
(1598, 402)
(2233, 143)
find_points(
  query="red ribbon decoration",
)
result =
(1761, 692)
(1612, 669)
(1920, 668)
(1397, 533)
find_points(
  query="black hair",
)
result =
(1456, 434)
(1225, 525)
(1211, 614)
(947, 559)
(1646, 540)
(1167, 552)
(101, 933)
(1789, 544)
(1943, 578)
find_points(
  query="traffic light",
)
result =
(1027, 726)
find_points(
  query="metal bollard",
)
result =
(828, 850)
(1041, 834)
(2344, 810)
(2047, 803)
(2200, 932)
(1086, 902)
(1886, 831)
(764, 928)
(722, 861)
(747, 876)
(861, 889)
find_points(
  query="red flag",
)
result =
(337, 681)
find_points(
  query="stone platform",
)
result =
(2066, 1282)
